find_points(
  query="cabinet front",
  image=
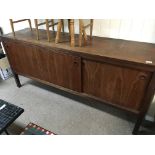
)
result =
(117, 85)
(45, 64)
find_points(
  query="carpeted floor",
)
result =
(60, 112)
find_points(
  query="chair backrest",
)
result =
(12, 22)
(48, 22)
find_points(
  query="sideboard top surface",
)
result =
(131, 51)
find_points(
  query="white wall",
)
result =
(130, 29)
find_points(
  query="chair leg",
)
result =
(52, 21)
(59, 26)
(72, 32)
(47, 29)
(30, 24)
(91, 29)
(69, 30)
(85, 37)
(83, 31)
(80, 32)
(12, 27)
(36, 25)
(63, 30)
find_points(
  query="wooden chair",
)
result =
(17, 21)
(48, 23)
(82, 32)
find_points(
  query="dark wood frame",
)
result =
(95, 57)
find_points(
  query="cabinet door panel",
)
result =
(45, 64)
(60, 69)
(122, 86)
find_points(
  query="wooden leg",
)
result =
(63, 30)
(57, 39)
(91, 29)
(47, 30)
(36, 25)
(12, 27)
(83, 32)
(6, 132)
(80, 32)
(30, 24)
(147, 100)
(69, 30)
(72, 32)
(85, 37)
(52, 21)
(138, 124)
(17, 80)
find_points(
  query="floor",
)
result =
(62, 113)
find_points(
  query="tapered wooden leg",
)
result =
(17, 80)
(72, 32)
(36, 26)
(147, 100)
(6, 132)
(59, 26)
(63, 30)
(138, 124)
(52, 21)
(91, 29)
(69, 29)
(80, 32)
(85, 37)
(30, 24)
(84, 33)
(12, 27)
(47, 30)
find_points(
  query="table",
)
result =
(115, 72)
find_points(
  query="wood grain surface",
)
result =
(122, 86)
(109, 70)
(48, 65)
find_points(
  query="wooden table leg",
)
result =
(147, 100)
(6, 132)
(71, 23)
(138, 124)
(17, 80)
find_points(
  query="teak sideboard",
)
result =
(117, 72)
